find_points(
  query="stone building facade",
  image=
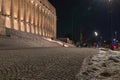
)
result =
(28, 16)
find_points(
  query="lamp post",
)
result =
(96, 39)
(110, 14)
(96, 34)
(115, 34)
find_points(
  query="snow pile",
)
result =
(103, 66)
(59, 42)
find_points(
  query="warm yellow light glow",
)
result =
(36, 30)
(28, 28)
(8, 22)
(109, 0)
(28, 11)
(16, 25)
(40, 29)
(36, 5)
(32, 14)
(32, 27)
(40, 7)
(0, 5)
(96, 34)
(40, 32)
(36, 16)
(7, 6)
(43, 33)
(27, 15)
(22, 10)
(22, 26)
(15, 8)
(32, 1)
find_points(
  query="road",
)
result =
(42, 63)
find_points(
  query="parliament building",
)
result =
(36, 17)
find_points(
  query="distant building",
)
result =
(28, 16)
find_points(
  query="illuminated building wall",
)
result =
(31, 16)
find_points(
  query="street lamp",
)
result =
(109, 0)
(96, 39)
(96, 34)
(110, 13)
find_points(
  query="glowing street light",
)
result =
(109, 0)
(96, 34)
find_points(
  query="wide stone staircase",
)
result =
(21, 42)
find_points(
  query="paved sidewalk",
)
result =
(42, 63)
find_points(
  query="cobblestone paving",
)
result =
(42, 63)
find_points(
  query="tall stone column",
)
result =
(34, 18)
(19, 21)
(0, 5)
(2, 19)
(55, 29)
(38, 21)
(30, 16)
(3, 7)
(43, 21)
(48, 24)
(12, 15)
(25, 16)
(52, 25)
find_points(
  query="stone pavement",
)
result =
(42, 63)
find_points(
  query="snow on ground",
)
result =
(103, 66)
(60, 42)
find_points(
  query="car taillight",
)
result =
(114, 47)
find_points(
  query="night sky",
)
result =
(86, 16)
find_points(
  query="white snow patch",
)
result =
(102, 52)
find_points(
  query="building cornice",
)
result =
(47, 4)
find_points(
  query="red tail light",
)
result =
(114, 47)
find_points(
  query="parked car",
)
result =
(114, 47)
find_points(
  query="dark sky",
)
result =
(87, 16)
